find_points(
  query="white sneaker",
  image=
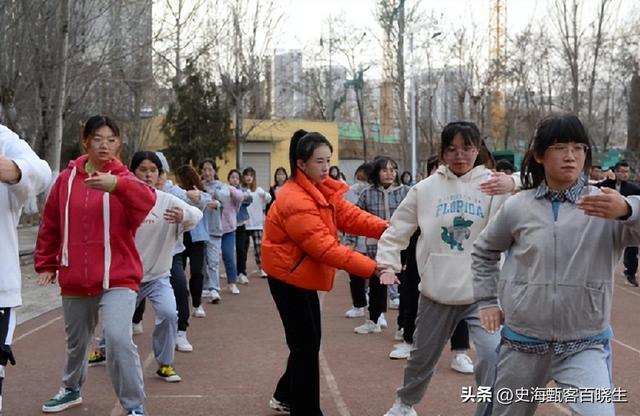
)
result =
(394, 303)
(401, 409)
(234, 289)
(182, 343)
(215, 296)
(137, 328)
(263, 274)
(278, 406)
(399, 335)
(462, 364)
(199, 312)
(382, 321)
(354, 312)
(243, 279)
(206, 293)
(401, 352)
(367, 328)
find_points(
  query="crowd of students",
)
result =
(520, 263)
(114, 236)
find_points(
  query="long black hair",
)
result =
(556, 128)
(302, 146)
(275, 175)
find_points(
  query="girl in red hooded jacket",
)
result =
(300, 254)
(87, 240)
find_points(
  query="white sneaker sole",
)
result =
(461, 370)
(184, 349)
(171, 379)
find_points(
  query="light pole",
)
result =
(412, 92)
(412, 89)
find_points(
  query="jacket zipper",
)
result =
(295, 266)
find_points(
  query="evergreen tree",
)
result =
(197, 124)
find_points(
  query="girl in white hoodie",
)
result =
(450, 209)
(156, 239)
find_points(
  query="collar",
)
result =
(322, 192)
(571, 194)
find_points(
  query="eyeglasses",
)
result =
(576, 148)
(109, 140)
(467, 150)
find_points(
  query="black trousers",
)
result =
(195, 252)
(139, 312)
(179, 285)
(630, 260)
(299, 310)
(241, 251)
(377, 298)
(409, 296)
(358, 287)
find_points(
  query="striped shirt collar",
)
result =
(572, 194)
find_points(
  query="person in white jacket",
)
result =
(22, 175)
(451, 209)
(156, 239)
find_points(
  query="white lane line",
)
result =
(34, 330)
(343, 410)
(626, 346)
(177, 396)
(626, 289)
(117, 409)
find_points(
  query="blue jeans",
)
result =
(229, 256)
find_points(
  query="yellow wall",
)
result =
(278, 132)
(275, 132)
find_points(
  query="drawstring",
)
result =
(106, 219)
(65, 242)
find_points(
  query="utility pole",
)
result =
(414, 161)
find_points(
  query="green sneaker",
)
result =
(97, 357)
(62, 401)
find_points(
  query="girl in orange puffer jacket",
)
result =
(300, 254)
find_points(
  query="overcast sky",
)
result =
(306, 20)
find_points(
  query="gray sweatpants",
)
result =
(585, 371)
(212, 266)
(160, 293)
(163, 300)
(435, 324)
(123, 365)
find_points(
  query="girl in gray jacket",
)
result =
(562, 240)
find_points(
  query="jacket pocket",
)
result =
(446, 278)
(298, 263)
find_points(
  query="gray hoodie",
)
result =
(556, 283)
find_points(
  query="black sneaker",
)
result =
(632, 280)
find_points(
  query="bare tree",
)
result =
(177, 37)
(567, 19)
(251, 28)
(602, 21)
(393, 17)
(54, 146)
